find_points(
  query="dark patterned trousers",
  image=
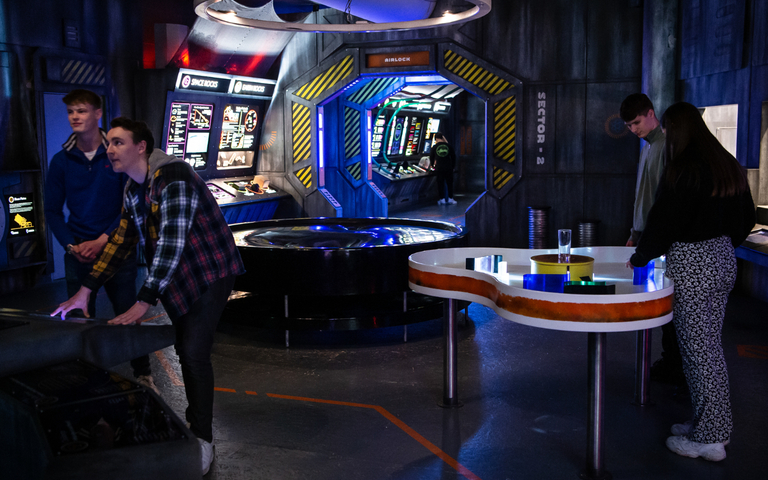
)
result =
(704, 273)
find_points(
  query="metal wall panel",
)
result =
(611, 200)
(731, 87)
(537, 40)
(760, 32)
(614, 31)
(610, 147)
(712, 37)
(570, 128)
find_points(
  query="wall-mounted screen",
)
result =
(396, 136)
(189, 126)
(21, 214)
(433, 124)
(197, 142)
(218, 193)
(239, 127)
(414, 135)
(378, 135)
(234, 159)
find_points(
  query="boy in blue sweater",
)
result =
(81, 176)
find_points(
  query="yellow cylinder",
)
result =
(580, 265)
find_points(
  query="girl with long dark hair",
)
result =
(703, 210)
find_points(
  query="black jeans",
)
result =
(121, 291)
(445, 179)
(194, 342)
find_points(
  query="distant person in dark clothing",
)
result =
(703, 210)
(640, 117)
(442, 159)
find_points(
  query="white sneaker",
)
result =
(452, 201)
(207, 452)
(441, 201)
(714, 452)
(147, 381)
(685, 429)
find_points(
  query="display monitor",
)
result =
(239, 127)
(396, 136)
(197, 142)
(218, 193)
(21, 214)
(189, 126)
(378, 135)
(234, 159)
(433, 124)
(414, 135)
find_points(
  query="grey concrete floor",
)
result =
(364, 404)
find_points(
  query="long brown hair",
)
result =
(686, 130)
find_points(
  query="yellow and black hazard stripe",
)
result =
(352, 137)
(355, 170)
(327, 79)
(475, 74)
(504, 132)
(371, 89)
(305, 176)
(83, 73)
(302, 135)
(501, 177)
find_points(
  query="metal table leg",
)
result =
(643, 368)
(595, 460)
(450, 374)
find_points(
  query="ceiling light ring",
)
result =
(203, 10)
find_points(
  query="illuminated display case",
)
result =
(378, 135)
(414, 135)
(433, 124)
(189, 130)
(239, 127)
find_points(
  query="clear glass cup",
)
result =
(564, 245)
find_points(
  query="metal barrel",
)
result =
(587, 233)
(537, 226)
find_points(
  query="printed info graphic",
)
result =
(21, 211)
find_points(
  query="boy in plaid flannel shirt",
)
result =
(170, 213)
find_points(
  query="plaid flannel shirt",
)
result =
(186, 240)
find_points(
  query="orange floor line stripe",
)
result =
(250, 393)
(219, 389)
(428, 445)
(317, 400)
(400, 424)
(753, 351)
(167, 367)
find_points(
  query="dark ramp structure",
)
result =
(65, 416)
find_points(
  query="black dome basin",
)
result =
(335, 256)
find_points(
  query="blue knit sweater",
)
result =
(92, 191)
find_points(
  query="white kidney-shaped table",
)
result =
(443, 273)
